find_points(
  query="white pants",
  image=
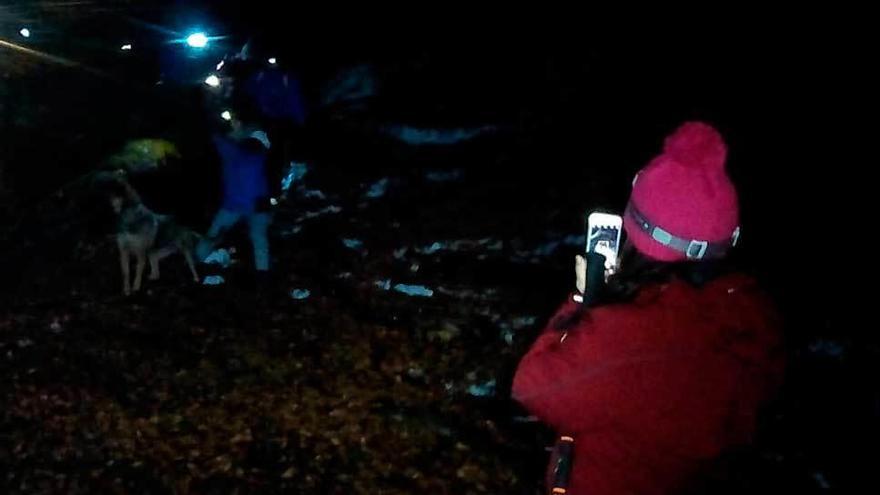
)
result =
(258, 228)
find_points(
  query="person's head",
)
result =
(683, 214)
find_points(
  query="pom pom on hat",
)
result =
(696, 144)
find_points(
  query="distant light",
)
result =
(273, 60)
(25, 32)
(126, 47)
(197, 40)
(221, 64)
(226, 115)
(213, 81)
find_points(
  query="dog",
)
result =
(146, 234)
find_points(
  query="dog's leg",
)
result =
(155, 258)
(192, 266)
(124, 264)
(141, 255)
(154, 265)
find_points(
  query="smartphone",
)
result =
(603, 237)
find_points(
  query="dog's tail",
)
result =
(193, 238)
(186, 238)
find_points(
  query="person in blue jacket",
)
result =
(246, 196)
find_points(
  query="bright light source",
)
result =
(273, 60)
(213, 81)
(226, 115)
(25, 32)
(125, 47)
(197, 40)
(221, 64)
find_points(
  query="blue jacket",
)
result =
(244, 175)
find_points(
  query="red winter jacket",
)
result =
(650, 388)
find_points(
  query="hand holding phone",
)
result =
(603, 237)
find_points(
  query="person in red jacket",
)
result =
(671, 369)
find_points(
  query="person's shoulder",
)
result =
(736, 283)
(740, 300)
